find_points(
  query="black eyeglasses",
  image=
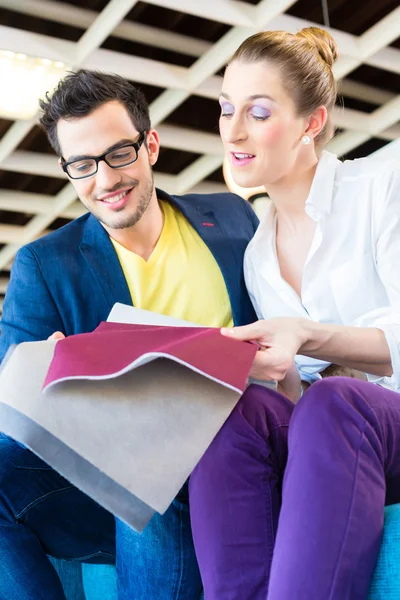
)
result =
(119, 157)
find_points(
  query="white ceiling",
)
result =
(371, 48)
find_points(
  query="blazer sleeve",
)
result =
(29, 312)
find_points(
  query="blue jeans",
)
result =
(177, 576)
(42, 514)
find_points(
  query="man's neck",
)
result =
(142, 238)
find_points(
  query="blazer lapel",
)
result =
(103, 262)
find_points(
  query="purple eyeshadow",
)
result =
(227, 107)
(260, 111)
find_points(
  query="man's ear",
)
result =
(153, 146)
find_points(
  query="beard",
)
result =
(127, 217)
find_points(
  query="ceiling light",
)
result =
(24, 80)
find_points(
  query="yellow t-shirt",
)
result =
(181, 278)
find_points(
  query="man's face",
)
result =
(116, 197)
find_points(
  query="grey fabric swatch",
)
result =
(130, 442)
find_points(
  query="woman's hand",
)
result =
(291, 386)
(279, 340)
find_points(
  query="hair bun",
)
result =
(323, 42)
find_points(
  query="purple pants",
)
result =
(343, 466)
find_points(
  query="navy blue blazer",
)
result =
(70, 279)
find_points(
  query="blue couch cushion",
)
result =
(386, 580)
(99, 582)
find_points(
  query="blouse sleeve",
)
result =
(387, 246)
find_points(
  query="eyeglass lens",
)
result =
(116, 158)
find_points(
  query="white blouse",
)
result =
(352, 272)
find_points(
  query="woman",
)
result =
(322, 270)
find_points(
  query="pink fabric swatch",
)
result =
(113, 347)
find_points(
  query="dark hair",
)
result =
(81, 92)
(306, 59)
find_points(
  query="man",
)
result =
(180, 256)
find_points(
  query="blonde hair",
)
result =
(305, 59)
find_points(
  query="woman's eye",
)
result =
(259, 113)
(227, 109)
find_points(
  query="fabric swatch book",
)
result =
(127, 411)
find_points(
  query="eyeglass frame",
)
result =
(136, 145)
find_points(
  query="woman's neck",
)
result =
(290, 193)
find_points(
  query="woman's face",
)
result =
(260, 129)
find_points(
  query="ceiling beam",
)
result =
(376, 122)
(380, 35)
(37, 224)
(220, 53)
(35, 44)
(10, 234)
(374, 40)
(33, 163)
(138, 69)
(384, 116)
(362, 91)
(60, 12)
(83, 18)
(14, 137)
(4, 281)
(30, 203)
(355, 120)
(189, 140)
(104, 24)
(386, 59)
(196, 172)
(231, 12)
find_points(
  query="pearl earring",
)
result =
(306, 140)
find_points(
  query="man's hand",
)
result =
(279, 340)
(57, 335)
